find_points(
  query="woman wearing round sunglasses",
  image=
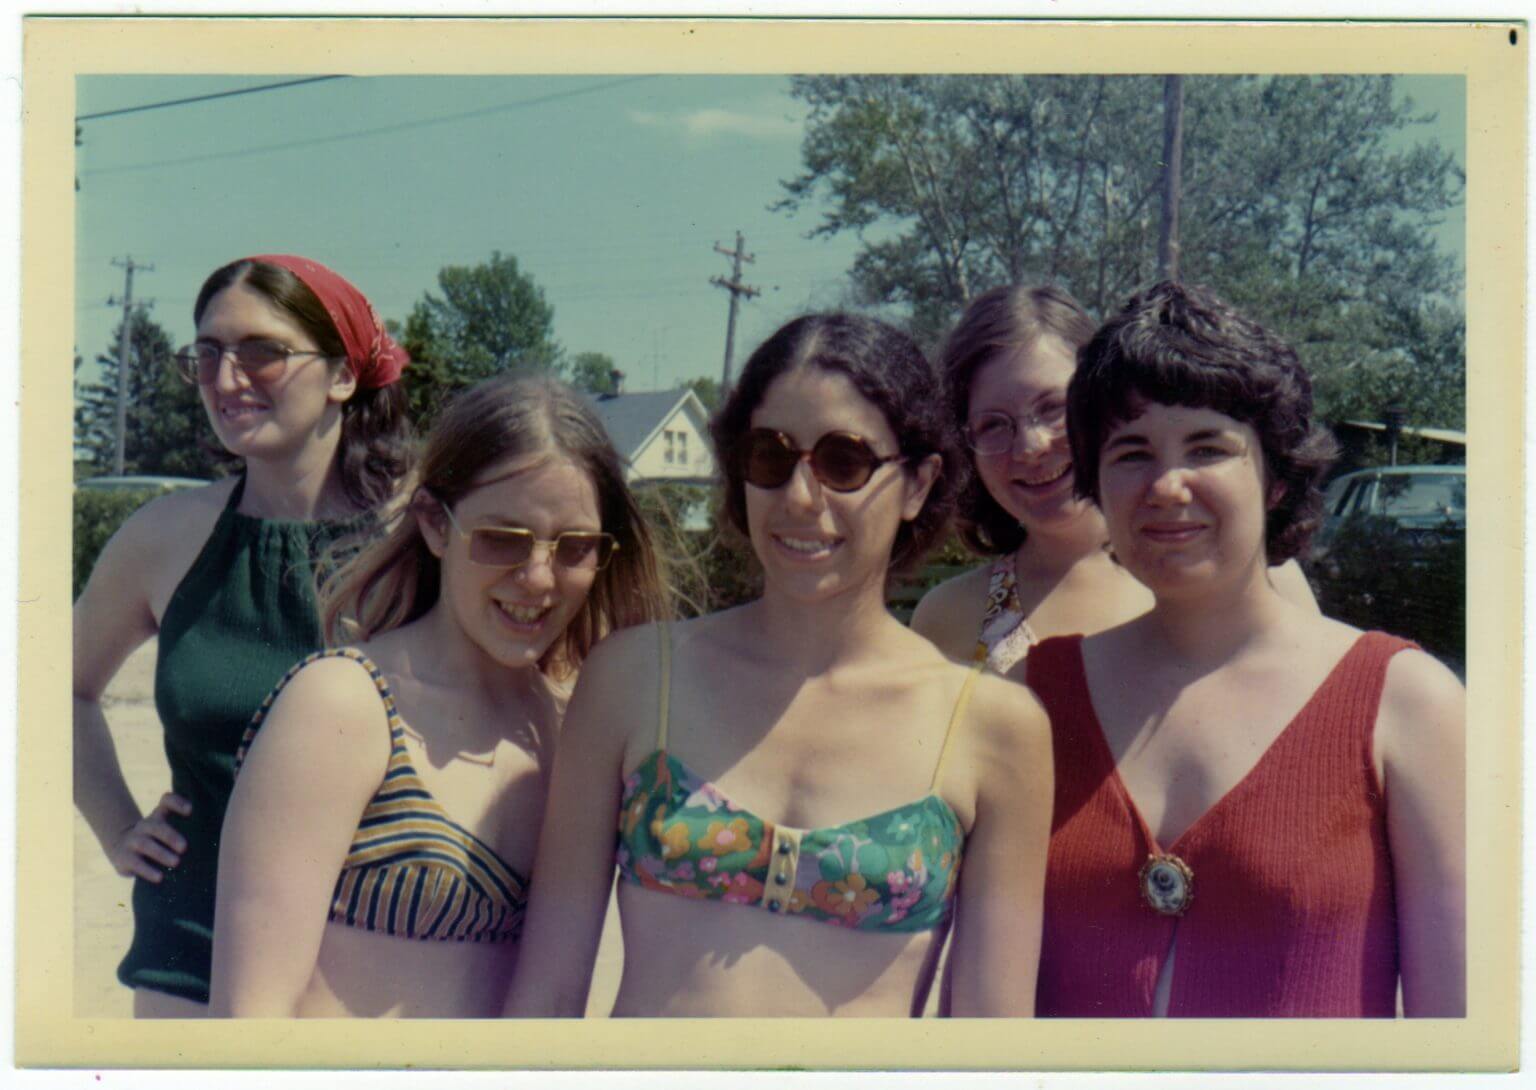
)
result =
(379, 867)
(794, 781)
(299, 380)
(1006, 365)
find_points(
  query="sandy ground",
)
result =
(103, 912)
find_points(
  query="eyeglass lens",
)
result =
(839, 460)
(994, 432)
(262, 361)
(511, 547)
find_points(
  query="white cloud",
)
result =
(706, 123)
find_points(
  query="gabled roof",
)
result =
(631, 419)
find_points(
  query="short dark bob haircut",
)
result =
(1006, 319)
(1177, 344)
(890, 371)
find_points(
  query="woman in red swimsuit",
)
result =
(793, 781)
(1259, 811)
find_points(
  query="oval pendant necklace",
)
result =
(1167, 883)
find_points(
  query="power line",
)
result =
(404, 126)
(204, 98)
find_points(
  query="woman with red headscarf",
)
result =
(300, 382)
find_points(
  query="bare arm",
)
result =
(1421, 732)
(573, 869)
(112, 618)
(320, 755)
(996, 946)
(949, 615)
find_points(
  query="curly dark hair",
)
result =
(888, 368)
(376, 448)
(1004, 319)
(1178, 344)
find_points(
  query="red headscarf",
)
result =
(372, 353)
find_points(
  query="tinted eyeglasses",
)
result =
(993, 432)
(513, 546)
(260, 360)
(840, 460)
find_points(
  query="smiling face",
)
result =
(1032, 479)
(514, 614)
(277, 419)
(814, 542)
(1183, 492)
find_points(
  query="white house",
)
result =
(664, 438)
(663, 435)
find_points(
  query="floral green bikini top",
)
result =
(892, 871)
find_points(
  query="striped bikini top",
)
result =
(412, 871)
(892, 871)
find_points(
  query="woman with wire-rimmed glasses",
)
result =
(300, 383)
(379, 867)
(1006, 366)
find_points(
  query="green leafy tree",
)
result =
(708, 391)
(593, 372)
(1300, 204)
(489, 318)
(167, 428)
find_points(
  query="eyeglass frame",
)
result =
(180, 355)
(1016, 424)
(803, 455)
(551, 544)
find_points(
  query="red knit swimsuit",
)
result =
(1293, 912)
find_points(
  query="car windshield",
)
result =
(1415, 496)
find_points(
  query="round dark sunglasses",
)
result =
(840, 460)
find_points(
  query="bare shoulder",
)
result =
(162, 539)
(623, 650)
(185, 515)
(336, 690)
(1420, 687)
(1007, 715)
(950, 613)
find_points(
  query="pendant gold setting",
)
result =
(1167, 884)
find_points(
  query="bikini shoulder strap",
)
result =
(955, 716)
(664, 711)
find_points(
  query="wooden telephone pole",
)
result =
(1173, 161)
(125, 354)
(737, 290)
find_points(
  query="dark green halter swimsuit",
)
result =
(242, 616)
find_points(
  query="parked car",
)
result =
(1423, 503)
(1391, 554)
(121, 484)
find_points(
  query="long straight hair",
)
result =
(397, 579)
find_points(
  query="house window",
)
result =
(671, 455)
(682, 447)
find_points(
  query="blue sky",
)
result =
(610, 191)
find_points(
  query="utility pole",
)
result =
(1173, 160)
(737, 290)
(125, 354)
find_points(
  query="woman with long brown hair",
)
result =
(301, 385)
(377, 848)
